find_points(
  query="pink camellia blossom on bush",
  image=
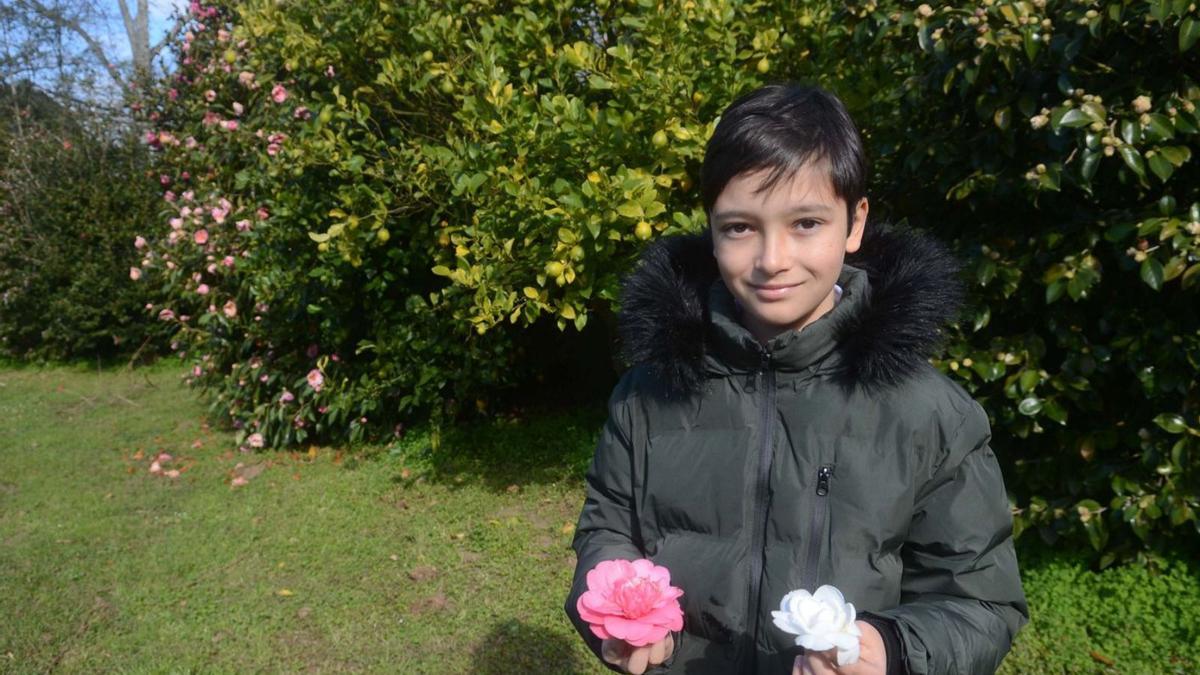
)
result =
(242, 226)
(210, 96)
(228, 260)
(262, 213)
(632, 601)
(139, 242)
(202, 289)
(200, 237)
(135, 273)
(246, 78)
(230, 309)
(287, 397)
(166, 315)
(218, 214)
(255, 440)
(302, 113)
(169, 196)
(229, 125)
(315, 379)
(237, 108)
(279, 93)
(210, 118)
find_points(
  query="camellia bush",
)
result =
(367, 202)
(369, 206)
(1054, 142)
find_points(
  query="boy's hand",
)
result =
(636, 660)
(872, 657)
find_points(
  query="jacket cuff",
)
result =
(891, 642)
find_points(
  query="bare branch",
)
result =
(94, 46)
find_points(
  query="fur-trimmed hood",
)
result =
(882, 338)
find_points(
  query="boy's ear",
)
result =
(858, 225)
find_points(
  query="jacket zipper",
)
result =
(820, 512)
(759, 524)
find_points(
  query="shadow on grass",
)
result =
(537, 449)
(516, 647)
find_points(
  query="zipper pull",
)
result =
(823, 475)
(766, 360)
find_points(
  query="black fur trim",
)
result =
(664, 310)
(916, 289)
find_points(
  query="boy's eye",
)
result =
(736, 228)
(807, 224)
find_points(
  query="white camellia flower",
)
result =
(820, 621)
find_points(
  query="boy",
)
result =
(782, 428)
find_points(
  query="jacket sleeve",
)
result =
(607, 526)
(961, 600)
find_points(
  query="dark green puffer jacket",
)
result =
(834, 455)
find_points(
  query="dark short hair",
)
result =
(783, 127)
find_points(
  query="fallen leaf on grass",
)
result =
(513, 489)
(433, 603)
(568, 528)
(197, 443)
(283, 592)
(423, 573)
(1100, 658)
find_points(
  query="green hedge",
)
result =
(419, 187)
(73, 195)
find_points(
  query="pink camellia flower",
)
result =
(302, 113)
(155, 468)
(139, 242)
(315, 379)
(202, 289)
(238, 481)
(237, 108)
(229, 125)
(230, 309)
(262, 213)
(255, 440)
(164, 457)
(228, 260)
(171, 473)
(222, 35)
(210, 96)
(166, 315)
(196, 371)
(287, 397)
(633, 601)
(246, 78)
(169, 196)
(329, 71)
(262, 378)
(189, 195)
(210, 118)
(279, 93)
(176, 223)
(164, 180)
(218, 214)
(200, 237)
(242, 226)
(172, 94)
(135, 273)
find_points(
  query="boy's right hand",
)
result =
(636, 660)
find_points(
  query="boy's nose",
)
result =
(773, 255)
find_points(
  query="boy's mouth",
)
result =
(771, 291)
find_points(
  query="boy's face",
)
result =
(780, 252)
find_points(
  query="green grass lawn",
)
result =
(393, 559)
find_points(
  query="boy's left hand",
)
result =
(872, 657)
